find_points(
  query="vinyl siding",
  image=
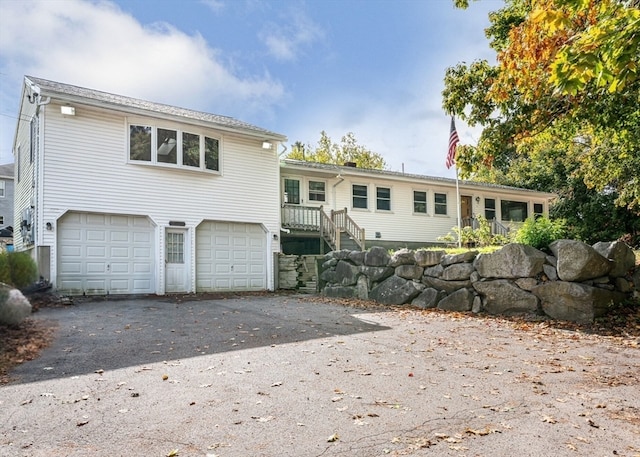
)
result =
(85, 168)
(401, 224)
(24, 172)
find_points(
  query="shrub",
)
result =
(17, 269)
(540, 232)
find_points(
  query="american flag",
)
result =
(453, 142)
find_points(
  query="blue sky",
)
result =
(296, 67)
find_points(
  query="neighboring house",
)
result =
(325, 207)
(6, 195)
(116, 195)
(6, 206)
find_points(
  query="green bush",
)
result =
(540, 232)
(17, 269)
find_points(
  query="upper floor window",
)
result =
(513, 211)
(383, 198)
(173, 147)
(419, 202)
(2, 188)
(440, 203)
(359, 196)
(490, 208)
(316, 191)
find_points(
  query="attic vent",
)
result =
(350, 164)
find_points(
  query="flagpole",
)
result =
(459, 210)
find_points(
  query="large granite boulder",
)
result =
(376, 274)
(578, 261)
(403, 256)
(512, 261)
(409, 271)
(450, 259)
(619, 253)
(460, 300)
(334, 291)
(377, 256)
(447, 286)
(575, 302)
(344, 274)
(428, 298)
(457, 272)
(14, 307)
(428, 258)
(395, 291)
(503, 297)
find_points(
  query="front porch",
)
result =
(334, 230)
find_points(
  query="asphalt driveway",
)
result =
(299, 376)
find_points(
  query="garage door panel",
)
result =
(102, 253)
(230, 256)
(99, 252)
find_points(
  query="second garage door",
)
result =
(230, 257)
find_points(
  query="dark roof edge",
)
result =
(101, 98)
(398, 174)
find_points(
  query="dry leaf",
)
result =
(549, 419)
(333, 438)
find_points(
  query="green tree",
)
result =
(568, 69)
(349, 150)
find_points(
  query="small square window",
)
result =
(316, 191)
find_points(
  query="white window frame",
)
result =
(179, 146)
(365, 197)
(383, 199)
(436, 204)
(426, 204)
(324, 191)
(2, 188)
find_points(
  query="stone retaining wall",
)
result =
(576, 282)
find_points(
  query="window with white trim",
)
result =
(419, 201)
(513, 211)
(440, 203)
(156, 145)
(359, 194)
(317, 191)
(490, 208)
(2, 188)
(383, 198)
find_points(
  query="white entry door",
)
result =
(176, 264)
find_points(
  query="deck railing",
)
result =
(330, 226)
(496, 227)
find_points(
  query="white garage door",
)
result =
(105, 253)
(230, 256)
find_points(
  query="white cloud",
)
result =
(286, 39)
(99, 46)
(214, 5)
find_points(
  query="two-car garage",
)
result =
(118, 254)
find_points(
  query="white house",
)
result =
(6, 206)
(116, 195)
(320, 202)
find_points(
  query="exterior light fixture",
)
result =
(267, 145)
(68, 110)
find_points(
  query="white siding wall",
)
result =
(24, 172)
(86, 169)
(401, 223)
